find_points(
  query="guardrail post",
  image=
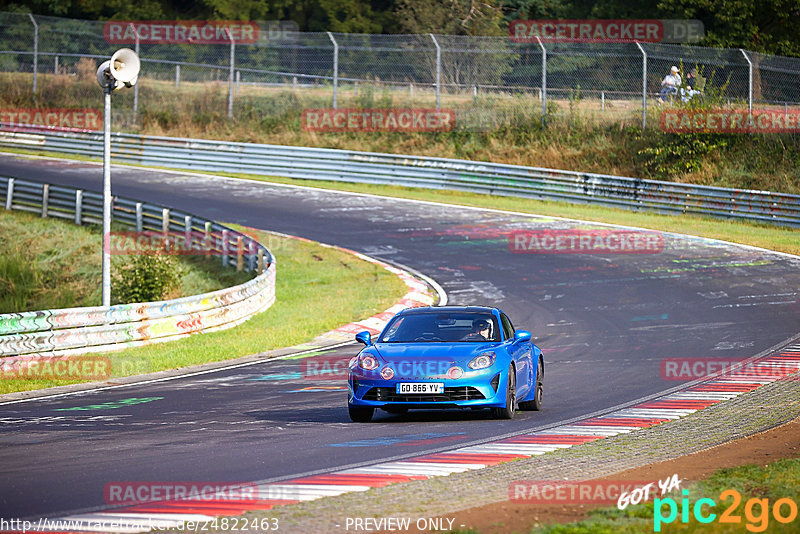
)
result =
(207, 237)
(187, 231)
(45, 198)
(544, 79)
(79, 207)
(335, 70)
(177, 74)
(239, 253)
(139, 221)
(749, 80)
(35, 50)
(224, 248)
(10, 194)
(165, 221)
(644, 85)
(251, 257)
(438, 69)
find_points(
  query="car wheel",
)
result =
(507, 412)
(360, 414)
(536, 403)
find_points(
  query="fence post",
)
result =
(79, 207)
(45, 198)
(10, 193)
(177, 74)
(55, 66)
(239, 253)
(260, 261)
(438, 69)
(335, 70)
(35, 50)
(544, 79)
(136, 87)
(230, 73)
(749, 80)
(644, 85)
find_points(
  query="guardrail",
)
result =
(82, 330)
(417, 171)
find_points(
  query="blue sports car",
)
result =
(446, 357)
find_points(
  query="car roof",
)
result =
(449, 309)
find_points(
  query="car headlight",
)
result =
(368, 362)
(387, 373)
(482, 361)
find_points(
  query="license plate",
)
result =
(420, 388)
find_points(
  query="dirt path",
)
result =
(762, 448)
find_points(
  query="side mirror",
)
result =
(522, 335)
(364, 337)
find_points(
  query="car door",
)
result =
(521, 354)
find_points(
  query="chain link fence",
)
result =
(617, 81)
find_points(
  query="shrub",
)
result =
(145, 278)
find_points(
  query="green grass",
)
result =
(318, 289)
(50, 263)
(774, 481)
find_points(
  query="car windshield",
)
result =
(441, 327)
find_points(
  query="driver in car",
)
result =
(480, 331)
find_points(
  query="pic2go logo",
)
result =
(756, 511)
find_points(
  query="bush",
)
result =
(145, 278)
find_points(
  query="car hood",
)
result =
(459, 353)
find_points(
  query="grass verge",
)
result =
(759, 488)
(489, 126)
(318, 289)
(50, 263)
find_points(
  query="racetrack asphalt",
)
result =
(606, 323)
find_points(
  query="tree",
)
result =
(451, 17)
(771, 26)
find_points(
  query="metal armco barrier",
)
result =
(82, 330)
(417, 171)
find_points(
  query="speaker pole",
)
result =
(107, 196)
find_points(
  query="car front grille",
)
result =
(462, 393)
